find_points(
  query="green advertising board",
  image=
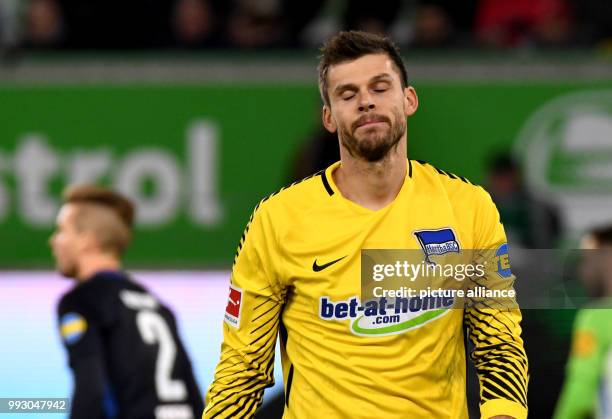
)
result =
(198, 158)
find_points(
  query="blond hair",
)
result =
(106, 213)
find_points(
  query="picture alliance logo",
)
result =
(385, 316)
(160, 183)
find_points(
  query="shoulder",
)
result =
(74, 316)
(595, 314)
(92, 299)
(303, 193)
(293, 201)
(279, 210)
(471, 204)
(458, 188)
(69, 300)
(428, 173)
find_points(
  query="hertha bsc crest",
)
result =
(437, 242)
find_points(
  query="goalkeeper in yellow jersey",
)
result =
(296, 274)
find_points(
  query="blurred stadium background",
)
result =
(199, 108)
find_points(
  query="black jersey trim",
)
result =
(445, 173)
(409, 168)
(289, 382)
(326, 184)
(283, 334)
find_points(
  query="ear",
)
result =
(411, 101)
(88, 241)
(328, 120)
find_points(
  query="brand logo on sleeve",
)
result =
(437, 242)
(502, 260)
(234, 307)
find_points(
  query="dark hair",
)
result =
(95, 195)
(603, 235)
(502, 163)
(351, 45)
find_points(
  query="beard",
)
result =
(373, 145)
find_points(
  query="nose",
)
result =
(366, 103)
(51, 239)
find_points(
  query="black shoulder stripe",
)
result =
(449, 174)
(299, 181)
(326, 184)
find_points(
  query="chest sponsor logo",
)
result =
(437, 242)
(385, 316)
(234, 307)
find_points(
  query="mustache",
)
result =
(369, 118)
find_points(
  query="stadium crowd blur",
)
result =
(250, 24)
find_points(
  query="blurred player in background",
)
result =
(297, 272)
(123, 345)
(588, 386)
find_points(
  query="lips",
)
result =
(369, 120)
(369, 123)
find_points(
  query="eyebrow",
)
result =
(381, 77)
(350, 86)
(344, 87)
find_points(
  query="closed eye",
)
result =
(380, 86)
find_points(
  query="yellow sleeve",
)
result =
(250, 326)
(498, 355)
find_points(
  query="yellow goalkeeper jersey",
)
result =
(297, 275)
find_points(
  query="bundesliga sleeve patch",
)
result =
(234, 307)
(72, 327)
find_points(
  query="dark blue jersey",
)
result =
(125, 352)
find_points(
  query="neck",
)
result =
(372, 185)
(90, 264)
